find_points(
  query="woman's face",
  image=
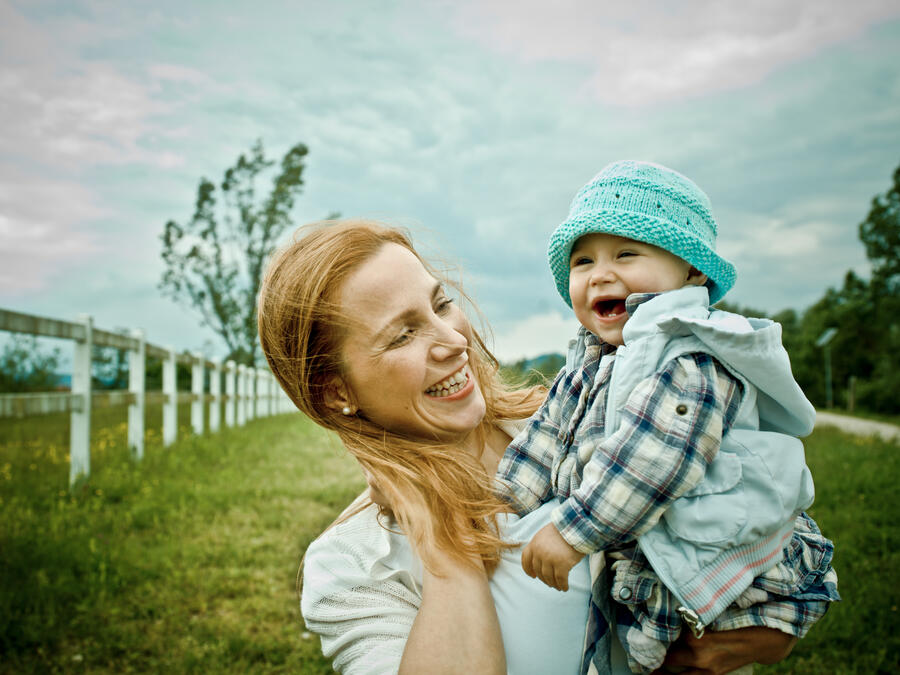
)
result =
(405, 357)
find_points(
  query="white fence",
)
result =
(249, 392)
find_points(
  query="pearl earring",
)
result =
(346, 410)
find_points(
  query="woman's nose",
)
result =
(448, 342)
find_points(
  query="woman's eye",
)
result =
(403, 338)
(443, 305)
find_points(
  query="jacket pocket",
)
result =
(716, 509)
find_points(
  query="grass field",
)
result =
(187, 562)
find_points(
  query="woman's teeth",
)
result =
(449, 386)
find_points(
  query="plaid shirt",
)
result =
(790, 597)
(617, 487)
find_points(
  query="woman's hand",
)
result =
(724, 651)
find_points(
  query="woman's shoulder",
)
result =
(358, 551)
(358, 593)
(356, 539)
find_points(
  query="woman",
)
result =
(364, 339)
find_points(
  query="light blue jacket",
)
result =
(713, 541)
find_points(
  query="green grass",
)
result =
(856, 506)
(187, 562)
(184, 563)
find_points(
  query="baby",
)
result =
(670, 438)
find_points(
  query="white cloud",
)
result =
(534, 335)
(94, 115)
(479, 136)
(38, 243)
(762, 236)
(650, 52)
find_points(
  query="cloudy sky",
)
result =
(473, 122)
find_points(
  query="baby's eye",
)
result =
(580, 260)
(627, 254)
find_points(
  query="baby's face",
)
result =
(605, 269)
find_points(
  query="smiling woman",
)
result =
(423, 573)
(411, 369)
(361, 334)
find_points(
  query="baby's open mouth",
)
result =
(449, 386)
(610, 308)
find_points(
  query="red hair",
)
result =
(440, 494)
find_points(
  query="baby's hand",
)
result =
(549, 557)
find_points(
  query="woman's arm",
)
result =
(456, 629)
(372, 620)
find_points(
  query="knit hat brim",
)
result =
(640, 227)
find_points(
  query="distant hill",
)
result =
(537, 370)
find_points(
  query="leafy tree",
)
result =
(25, 367)
(865, 314)
(879, 389)
(880, 233)
(214, 262)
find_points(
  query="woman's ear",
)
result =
(695, 277)
(337, 396)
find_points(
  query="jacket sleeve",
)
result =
(671, 429)
(525, 470)
(362, 617)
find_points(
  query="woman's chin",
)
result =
(454, 420)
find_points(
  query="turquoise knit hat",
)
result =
(648, 203)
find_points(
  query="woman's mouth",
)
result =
(612, 308)
(450, 385)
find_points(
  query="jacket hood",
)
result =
(751, 348)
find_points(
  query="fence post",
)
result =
(260, 394)
(215, 389)
(241, 393)
(230, 394)
(250, 374)
(270, 393)
(197, 391)
(136, 368)
(80, 427)
(170, 406)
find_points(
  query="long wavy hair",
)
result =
(440, 494)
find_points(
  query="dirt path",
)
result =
(857, 425)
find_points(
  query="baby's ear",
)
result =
(695, 277)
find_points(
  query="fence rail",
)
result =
(249, 392)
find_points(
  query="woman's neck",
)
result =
(490, 450)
